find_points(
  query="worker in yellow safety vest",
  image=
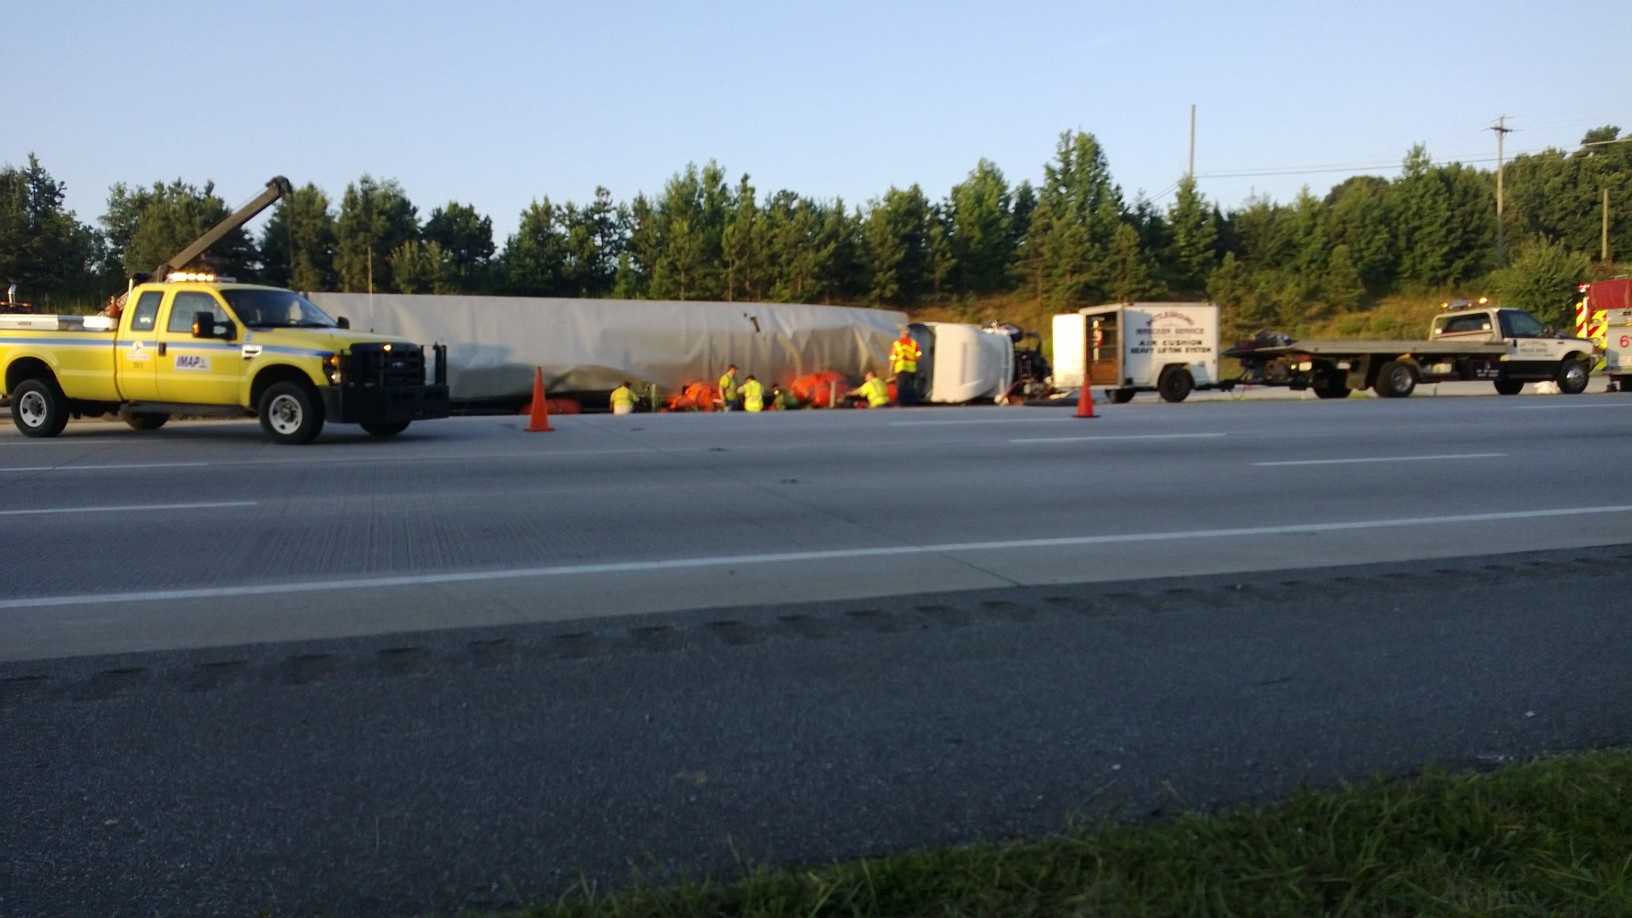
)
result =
(728, 388)
(904, 357)
(873, 390)
(753, 395)
(623, 399)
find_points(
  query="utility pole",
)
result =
(1605, 257)
(1191, 172)
(1502, 130)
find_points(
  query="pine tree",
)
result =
(981, 232)
(1342, 284)
(375, 218)
(298, 242)
(1130, 273)
(1190, 255)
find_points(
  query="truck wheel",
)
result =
(383, 430)
(1573, 377)
(38, 408)
(1509, 386)
(1331, 385)
(290, 413)
(1396, 379)
(1121, 396)
(1175, 385)
(146, 421)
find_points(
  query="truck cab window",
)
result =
(1517, 324)
(1461, 325)
(147, 311)
(186, 304)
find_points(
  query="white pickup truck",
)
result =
(1508, 347)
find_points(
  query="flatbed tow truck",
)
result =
(1467, 341)
(188, 342)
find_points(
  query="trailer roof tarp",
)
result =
(588, 345)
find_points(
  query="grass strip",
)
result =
(1547, 837)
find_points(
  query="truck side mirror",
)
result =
(342, 322)
(203, 324)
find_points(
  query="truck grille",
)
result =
(372, 366)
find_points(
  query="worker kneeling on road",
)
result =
(728, 388)
(873, 390)
(623, 399)
(904, 356)
(753, 395)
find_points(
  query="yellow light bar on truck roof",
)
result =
(202, 277)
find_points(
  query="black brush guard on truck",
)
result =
(386, 383)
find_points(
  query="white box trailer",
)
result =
(1168, 348)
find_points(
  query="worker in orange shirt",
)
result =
(904, 357)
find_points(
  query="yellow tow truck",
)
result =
(197, 344)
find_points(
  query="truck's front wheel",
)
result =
(1396, 379)
(1509, 386)
(291, 413)
(1573, 377)
(38, 408)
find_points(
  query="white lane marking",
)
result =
(1607, 403)
(105, 468)
(674, 564)
(126, 508)
(1367, 459)
(1102, 439)
(1047, 420)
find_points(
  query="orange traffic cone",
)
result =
(540, 421)
(1085, 401)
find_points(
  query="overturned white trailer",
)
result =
(590, 346)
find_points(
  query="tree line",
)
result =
(1073, 238)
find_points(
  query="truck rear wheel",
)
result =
(290, 413)
(38, 408)
(1122, 396)
(1396, 379)
(1509, 386)
(1573, 376)
(146, 421)
(384, 429)
(1175, 385)
(1331, 385)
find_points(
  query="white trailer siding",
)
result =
(1618, 342)
(1136, 341)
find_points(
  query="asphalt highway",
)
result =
(203, 535)
(476, 666)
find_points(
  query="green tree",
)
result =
(149, 225)
(981, 237)
(942, 259)
(1130, 272)
(1542, 279)
(375, 218)
(466, 237)
(535, 256)
(298, 242)
(1342, 284)
(744, 246)
(898, 246)
(690, 235)
(44, 248)
(1358, 217)
(1083, 208)
(423, 267)
(1190, 257)
(1446, 220)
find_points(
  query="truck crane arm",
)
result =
(276, 187)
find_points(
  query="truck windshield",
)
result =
(276, 309)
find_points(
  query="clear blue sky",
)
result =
(497, 103)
